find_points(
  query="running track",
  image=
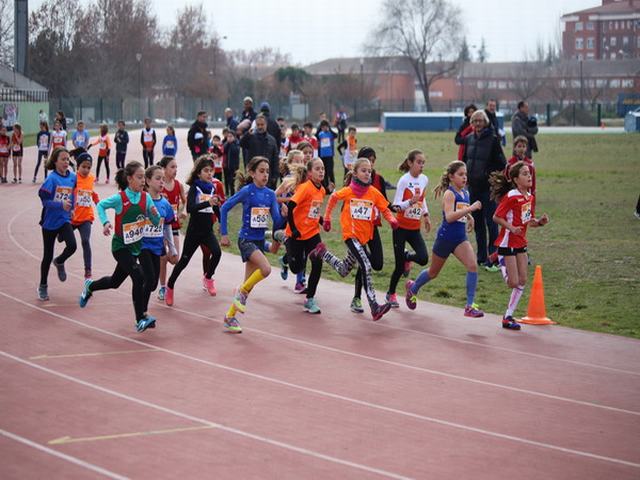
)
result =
(424, 394)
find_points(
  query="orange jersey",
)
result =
(358, 213)
(308, 199)
(352, 143)
(85, 195)
(104, 145)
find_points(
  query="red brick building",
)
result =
(610, 31)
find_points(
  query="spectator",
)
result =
(465, 129)
(248, 113)
(490, 110)
(483, 155)
(260, 143)
(62, 119)
(273, 127)
(522, 124)
(341, 123)
(232, 122)
(197, 136)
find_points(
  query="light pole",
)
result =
(581, 86)
(139, 60)
(361, 80)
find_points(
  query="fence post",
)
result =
(81, 114)
(101, 110)
(599, 117)
(355, 110)
(548, 114)
(574, 114)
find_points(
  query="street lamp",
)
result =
(361, 80)
(139, 60)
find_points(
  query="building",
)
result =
(21, 100)
(610, 31)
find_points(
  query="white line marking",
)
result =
(203, 421)
(380, 325)
(322, 392)
(64, 456)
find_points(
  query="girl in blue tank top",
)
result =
(452, 237)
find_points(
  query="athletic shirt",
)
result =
(358, 213)
(518, 210)
(85, 197)
(173, 197)
(326, 143)
(410, 214)
(306, 216)
(53, 192)
(529, 163)
(130, 224)
(455, 231)
(104, 145)
(169, 146)
(59, 139)
(257, 205)
(5, 140)
(43, 139)
(80, 138)
(147, 138)
(153, 239)
(17, 142)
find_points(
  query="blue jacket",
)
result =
(252, 199)
(53, 191)
(169, 146)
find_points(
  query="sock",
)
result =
(232, 311)
(516, 293)
(421, 280)
(472, 282)
(250, 282)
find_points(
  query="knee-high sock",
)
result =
(516, 293)
(250, 282)
(472, 282)
(421, 280)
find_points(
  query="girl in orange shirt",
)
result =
(83, 214)
(104, 143)
(357, 221)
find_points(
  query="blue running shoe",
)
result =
(311, 306)
(284, 268)
(161, 293)
(86, 293)
(232, 325)
(144, 323)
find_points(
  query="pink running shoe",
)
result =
(410, 298)
(168, 296)
(473, 311)
(318, 252)
(210, 285)
(377, 311)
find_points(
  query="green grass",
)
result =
(587, 184)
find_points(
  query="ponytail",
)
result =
(128, 171)
(243, 179)
(501, 183)
(445, 181)
(411, 156)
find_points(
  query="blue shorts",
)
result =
(444, 248)
(247, 247)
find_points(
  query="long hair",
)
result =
(445, 181)
(199, 165)
(243, 179)
(350, 174)
(128, 171)
(285, 163)
(50, 164)
(501, 183)
(164, 161)
(405, 166)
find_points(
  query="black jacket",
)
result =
(249, 115)
(483, 155)
(520, 125)
(232, 155)
(264, 145)
(197, 147)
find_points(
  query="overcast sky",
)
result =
(315, 30)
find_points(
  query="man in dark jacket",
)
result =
(232, 122)
(273, 128)
(483, 155)
(197, 136)
(491, 110)
(260, 143)
(248, 113)
(521, 124)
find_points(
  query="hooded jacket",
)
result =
(197, 146)
(483, 155)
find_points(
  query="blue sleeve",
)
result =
(114, 201)
(168, 211)
(155, 219)
(46, 194)
(239, 197)
(275, 211)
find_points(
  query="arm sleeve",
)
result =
(142, 138)
(275, 211)
(167, 233)
(155, 219)
(125, 137)
(503, 208)
(290, 217)
(228, 205)
(397, 199)
(192, 206)
(154, 138)
(114, 201)
(46, 196)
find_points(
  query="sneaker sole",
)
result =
(312, 313)
(234, 330)
(385, 309)
(145, 325)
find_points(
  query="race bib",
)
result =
(43, 143)
(325, 143)
(170, 145)
(103, 146)
(361, 209)
(63, 194)
(314, 209)
(84, 198)
(175, 211)
(133, 232)
(16, 147)
(148, 138)
(462, 206)
(217, 163)
(414, 212)
(525, 215)
(4, 148)
(153, 231)
(259, 217)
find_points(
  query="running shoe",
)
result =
(204, 283)
(62, 274)
(279, 236)
(144, 323)
(356, 305)
(87, 274)
(240, 301)
(318, 251)
(86, 293)
(34, 180)
(311, 306)
(211, 286)
(493, 258)
(492, 267)
(168, 296)
(410, 298)
(509, 323)
(377, 311)
(473, 311)
(232, 325)
(300, 288)
(106, 181)
(161, 292)
(43, 294)
(284, 268)
(392, 299)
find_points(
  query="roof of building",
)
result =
(9, 78)
(353, 65)
(618, 7)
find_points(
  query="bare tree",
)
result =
(422, 31)
(6, 33)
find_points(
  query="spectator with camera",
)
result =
(523, 124)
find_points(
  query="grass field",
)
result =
(588, 185)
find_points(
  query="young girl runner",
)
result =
(17, 151)
(58, 136)
(83, 214)
(203, 198)
(170, 143)
(173, 191)
(104, 144)
(132, 206)
(5, 152)
(258, 202)
(155, 236)
(411, 206)
(56, 194)
(43, 140)
(515, 212)
(357, 222)
(452, 236)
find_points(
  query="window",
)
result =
(578, 26)
(601, 82)
(627, 83)
(614, 83)
(480, 84)
(610, 25)
(580, 56)
(502, 85)
(625, 41)
(617, 25)
(589, 25)
(591, 43)
(590, 56)
(579, 43)
(613, 41)
(638, 41)
(493, 84)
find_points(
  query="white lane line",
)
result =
(63, 456)
(379, 325)
(332, 395)
(242, 433)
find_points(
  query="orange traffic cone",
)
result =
(536, 311)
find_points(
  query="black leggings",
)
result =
(49, 241)
(297, 252)
(420, 255)
(191, 244)
(147, 155)
(41, 155)
(229, 177)
(127, 266)
(150, 263)
(85, 239)
(329, 176)
(106, 166)
(374, 253)
(120, 156)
